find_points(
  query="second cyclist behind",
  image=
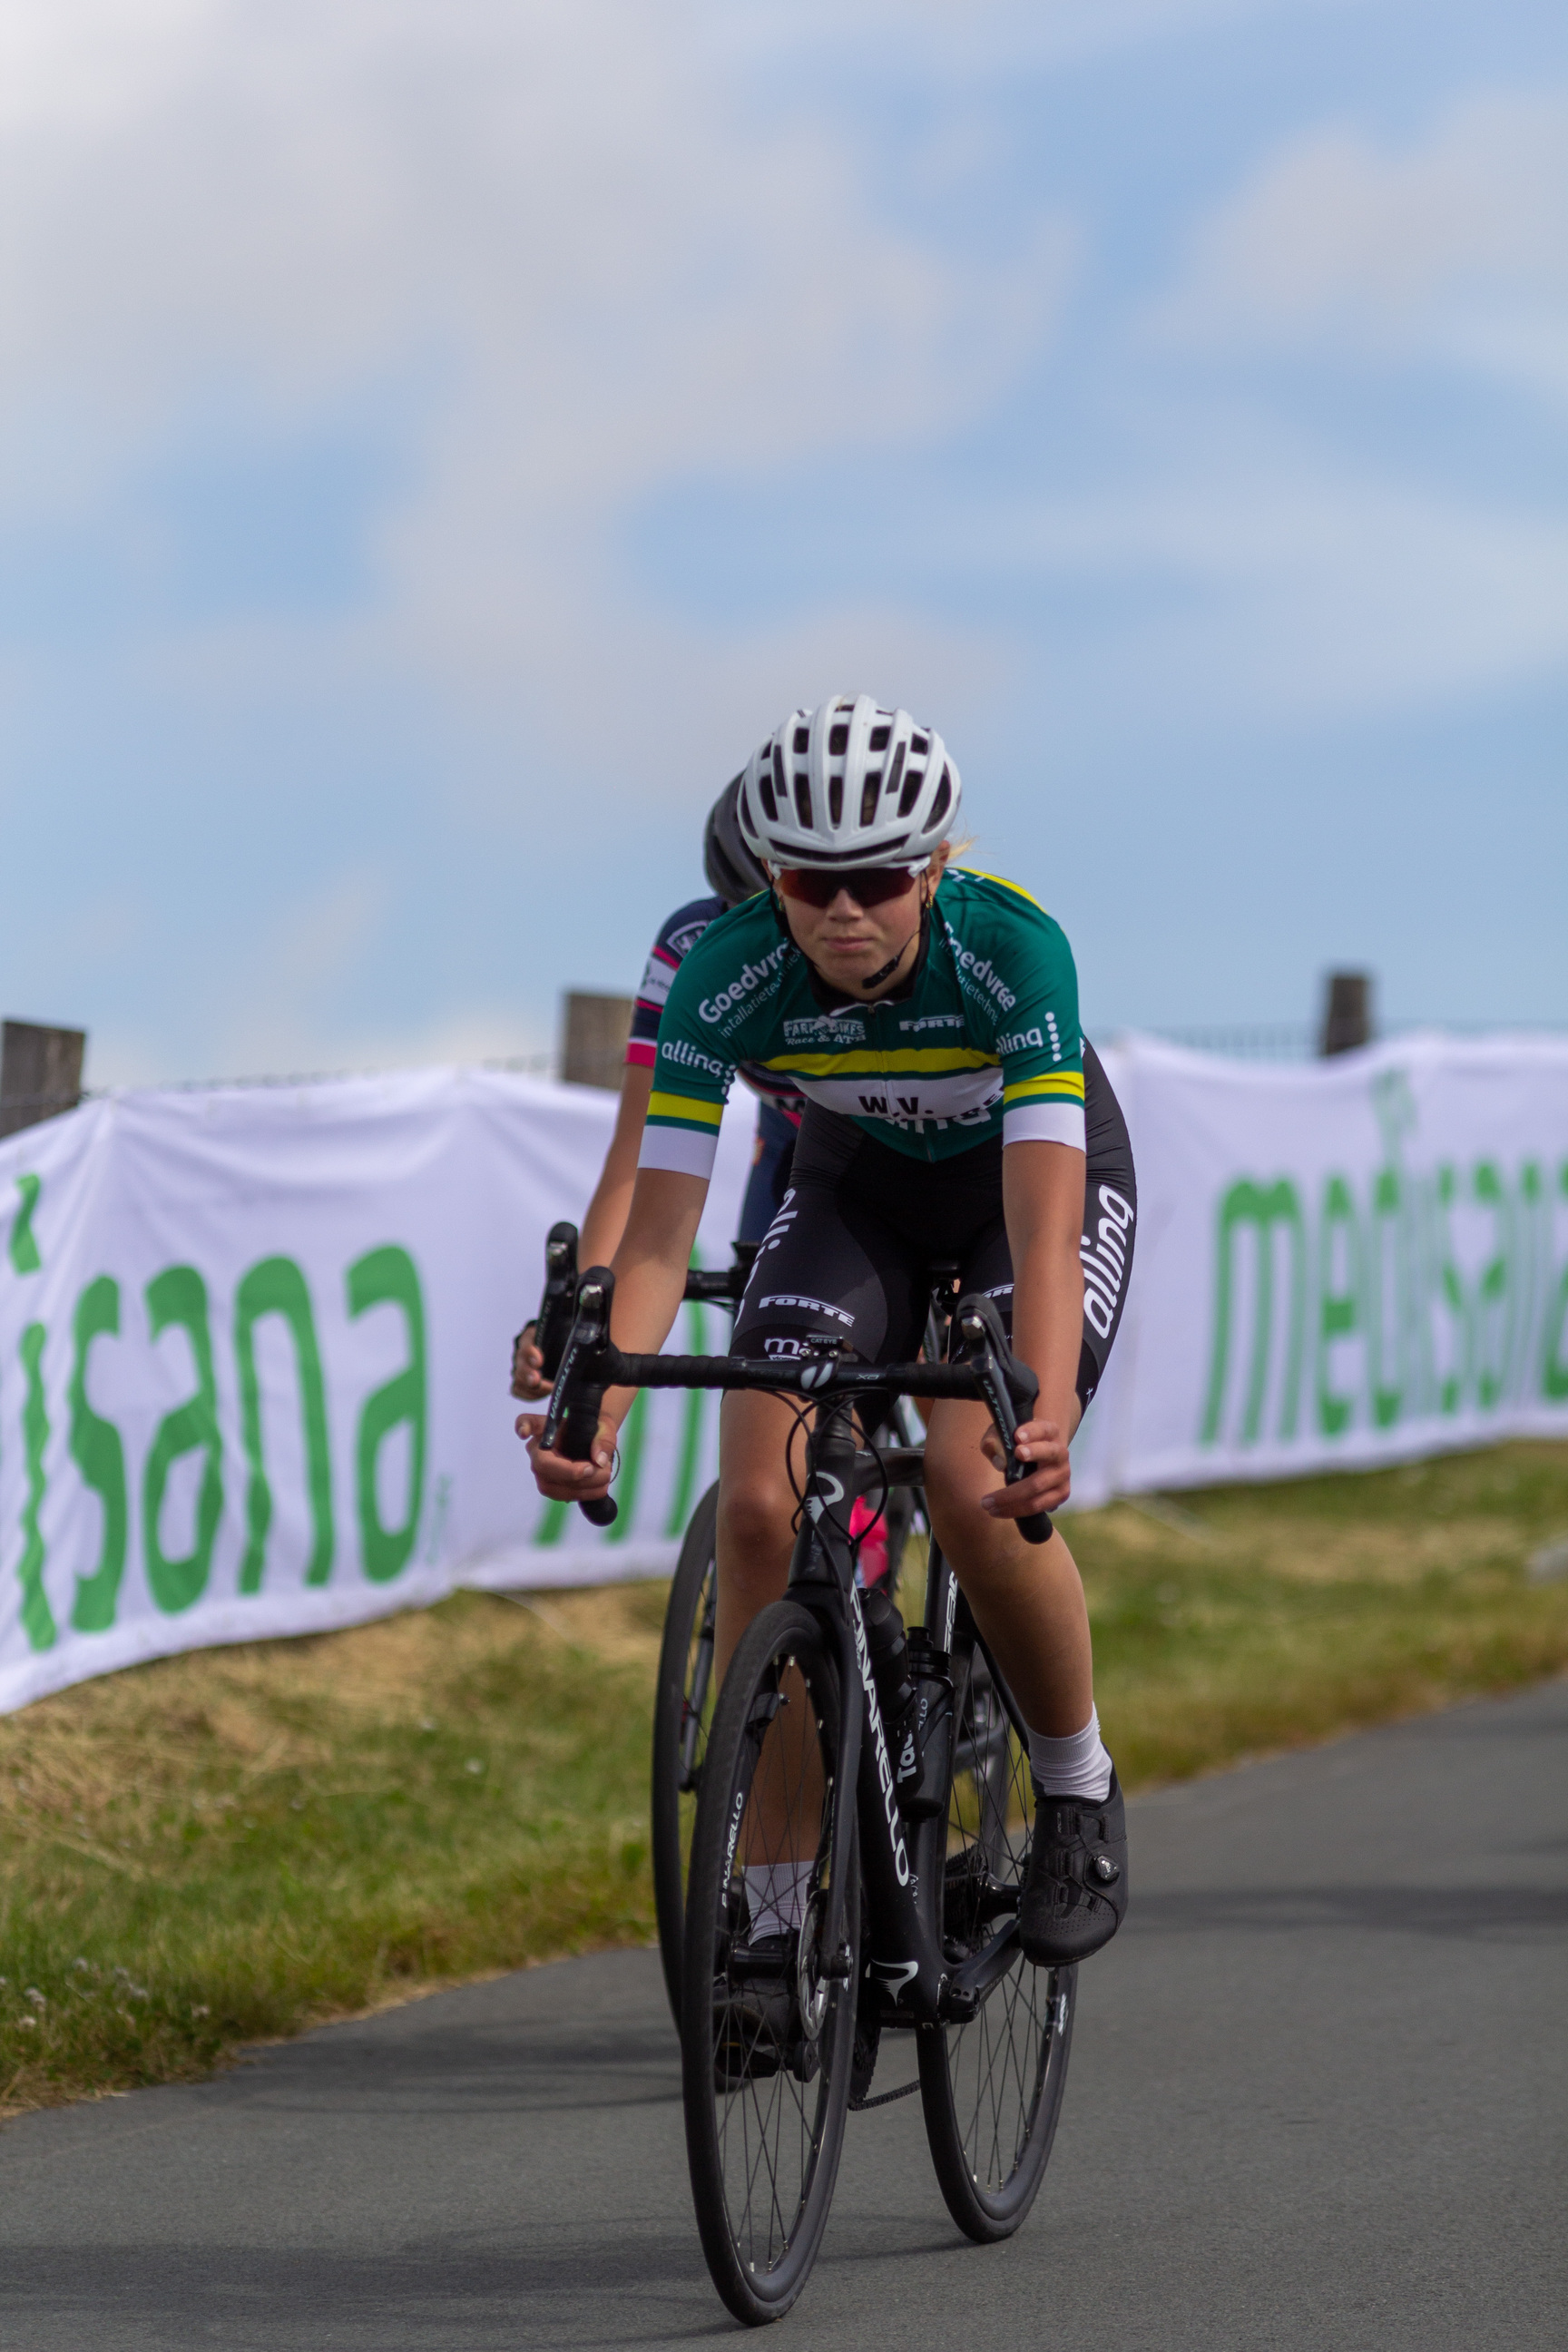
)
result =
(733, 875)
(928, 1017)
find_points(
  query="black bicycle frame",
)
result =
(901, 1950)
(904, 1948)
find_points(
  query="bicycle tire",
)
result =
(764, 2144)
(992, 2088)
(680, 1732)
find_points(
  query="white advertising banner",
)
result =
(1338, 1263)
(253, 1341)
(254, 1346)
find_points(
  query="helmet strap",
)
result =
(918, 933)
(893, 962)
(888, 969)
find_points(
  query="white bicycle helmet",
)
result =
(850, 785)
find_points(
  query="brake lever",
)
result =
(552, 1323)
(1009, 1389)
(572, 1417)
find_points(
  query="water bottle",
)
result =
(896, 1693)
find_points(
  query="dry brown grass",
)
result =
(237, 1844)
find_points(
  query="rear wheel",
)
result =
(683, 1711)
(992, 2087)
(768, 2014)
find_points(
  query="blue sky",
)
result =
(440, 439)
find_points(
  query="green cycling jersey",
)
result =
(985, 1040)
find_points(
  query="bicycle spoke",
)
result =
(992, 2101)
(766, 2044)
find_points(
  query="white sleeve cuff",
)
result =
(1044, 1122)
(684, 1151)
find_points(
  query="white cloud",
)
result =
(84, 64)
(971, 39)
(585, 255)
(1253, 575)
(1318, 594)
(1453, 247)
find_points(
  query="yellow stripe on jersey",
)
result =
(1002, 883)
(909, 1058)
(685, 1107)
(1055, 1082)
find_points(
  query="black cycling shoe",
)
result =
(756, 2021)
(1074, 1894)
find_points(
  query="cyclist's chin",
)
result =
(847, 967)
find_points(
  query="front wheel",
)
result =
(992, 2088)
(683, 1711)
(768, 2010)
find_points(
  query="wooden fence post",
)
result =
(593, 1032)
(40, 1073)
(1347, 1012)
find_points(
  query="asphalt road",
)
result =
(1317, 2098)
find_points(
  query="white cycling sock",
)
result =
(776, 1894)
(1078, 1766)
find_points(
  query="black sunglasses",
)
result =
(868, 886)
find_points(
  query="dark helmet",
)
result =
(733, 873)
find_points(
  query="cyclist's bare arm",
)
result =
(607, 1216)
(611, 1204)
(1042, 1201)
(651, 1278)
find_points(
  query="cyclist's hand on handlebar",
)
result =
(1041, 1445)
(559, 1479)
(528, 1379)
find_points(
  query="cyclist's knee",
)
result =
(755, 1510)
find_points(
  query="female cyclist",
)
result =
(930, 1017)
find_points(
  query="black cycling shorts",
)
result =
(850, 1254)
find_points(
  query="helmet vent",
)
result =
(943, 801)
(919, 746)
(879, 738)
(801, 740)
(869, 791)
(912, 792)
(835, 795)
(898, 769)
(765, 794)
(802, 802)
(838, 742)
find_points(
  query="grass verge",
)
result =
(239, 1843)
(1250, 1618)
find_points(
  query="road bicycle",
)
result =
(684, 1691)
(907, 1880)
